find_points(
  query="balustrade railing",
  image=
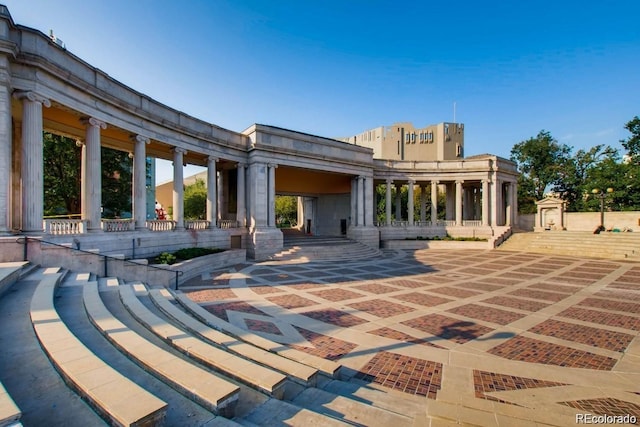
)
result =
(65, 226)
(472, 223)
(227, 223)
(115, 225)
(196, 224)
(160, 225)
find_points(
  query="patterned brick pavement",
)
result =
(500, 323)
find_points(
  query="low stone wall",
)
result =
(194, 267)
(436, 244)
(588, 221)
(10, 249)
(401, 233)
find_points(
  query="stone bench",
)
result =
(203, 387)
(254, 375)
(296, 371)
(113, 396)
(326, 367)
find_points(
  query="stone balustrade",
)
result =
(472, 223)
(64, 226)
(161, 225)
(115, 225)
(227, 223)
(196, 224)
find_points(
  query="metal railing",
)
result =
(25, 254)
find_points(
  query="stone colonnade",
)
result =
(486, 202)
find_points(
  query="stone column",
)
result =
(508, 205)
(360, 202)
(485, 202)
(16, 177)
(6, 141)
(257, 187)
(140, 182)
(93, 185)
(178, 187)
(220, 186)
(241, 208)
(83, 178)
(410, 184)
(450, 204)
(272, 195)
(212, 198)
(369, 201)
(398, 203)
(387, 205)
(32, 161)
(495, 203)
(514, 209)
(459, 203)
(354, 201)
(434, 202)
(423, 203)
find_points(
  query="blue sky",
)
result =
(336, 68)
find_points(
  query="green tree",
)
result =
(61, 175)
(195, 200)
(540, 161)
(117, 169)
(286, 209)
(632, 144)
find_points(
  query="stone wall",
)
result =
(589, 221)
(330, 209)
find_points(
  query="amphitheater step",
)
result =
(295, 371)
(251, 374)
(112, 394)
(278, 413)
(212, 392)
(324, 249)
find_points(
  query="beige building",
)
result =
(403, 141)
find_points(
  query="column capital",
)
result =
(435, 182)
(389, 181)
(179, 150)
(32, 96)
(459, 181)
(79, 143)
(139, 138)
(92, 121)
(212, 159)
(411, 182)
(240, 165)
(272, 165)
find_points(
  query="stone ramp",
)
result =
(296, 371)
(116, 398)
(251, 374)
(210, 391)
(620, 246)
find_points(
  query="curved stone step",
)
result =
(298, 372)
(210, 391)
(251, 374)
(9, 412)
(114, 396)
(278, 413)
(326, 367)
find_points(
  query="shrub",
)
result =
(188, 253)
(166, 258)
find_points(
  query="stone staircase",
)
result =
(298, 247)
(93, 336)
(604, 245)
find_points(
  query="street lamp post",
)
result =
(602, 195)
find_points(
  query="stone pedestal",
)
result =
(264, 242)
(369, 236)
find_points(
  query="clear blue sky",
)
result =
(336, 68)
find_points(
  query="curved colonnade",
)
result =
(43, 87)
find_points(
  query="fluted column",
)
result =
(368, 201)
(388, 202)
(83, 178)
(360, 201)
(241, 215)
(423, 203)
(178, 187)
(434, 202)
(32, 161)
(5, 151)
(16, 177)
(410, 185)
(272, 195)
(212, 183)
(398, 203)
(495, 203)
(514, 209)
(459, 203)
(140, 181)
(220, 187)
(354, 201)
(485, 202)
(93, 185)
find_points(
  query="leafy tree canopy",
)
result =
(195, 200)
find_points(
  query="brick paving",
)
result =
(407, 374)
(537, 351)
(439, 309)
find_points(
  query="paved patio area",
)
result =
(497, 334)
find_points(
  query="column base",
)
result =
(264, 242)
(369, 236)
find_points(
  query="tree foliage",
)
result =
(195, 200)
(632, 144)
(286, 209)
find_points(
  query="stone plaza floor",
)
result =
(502, 338)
